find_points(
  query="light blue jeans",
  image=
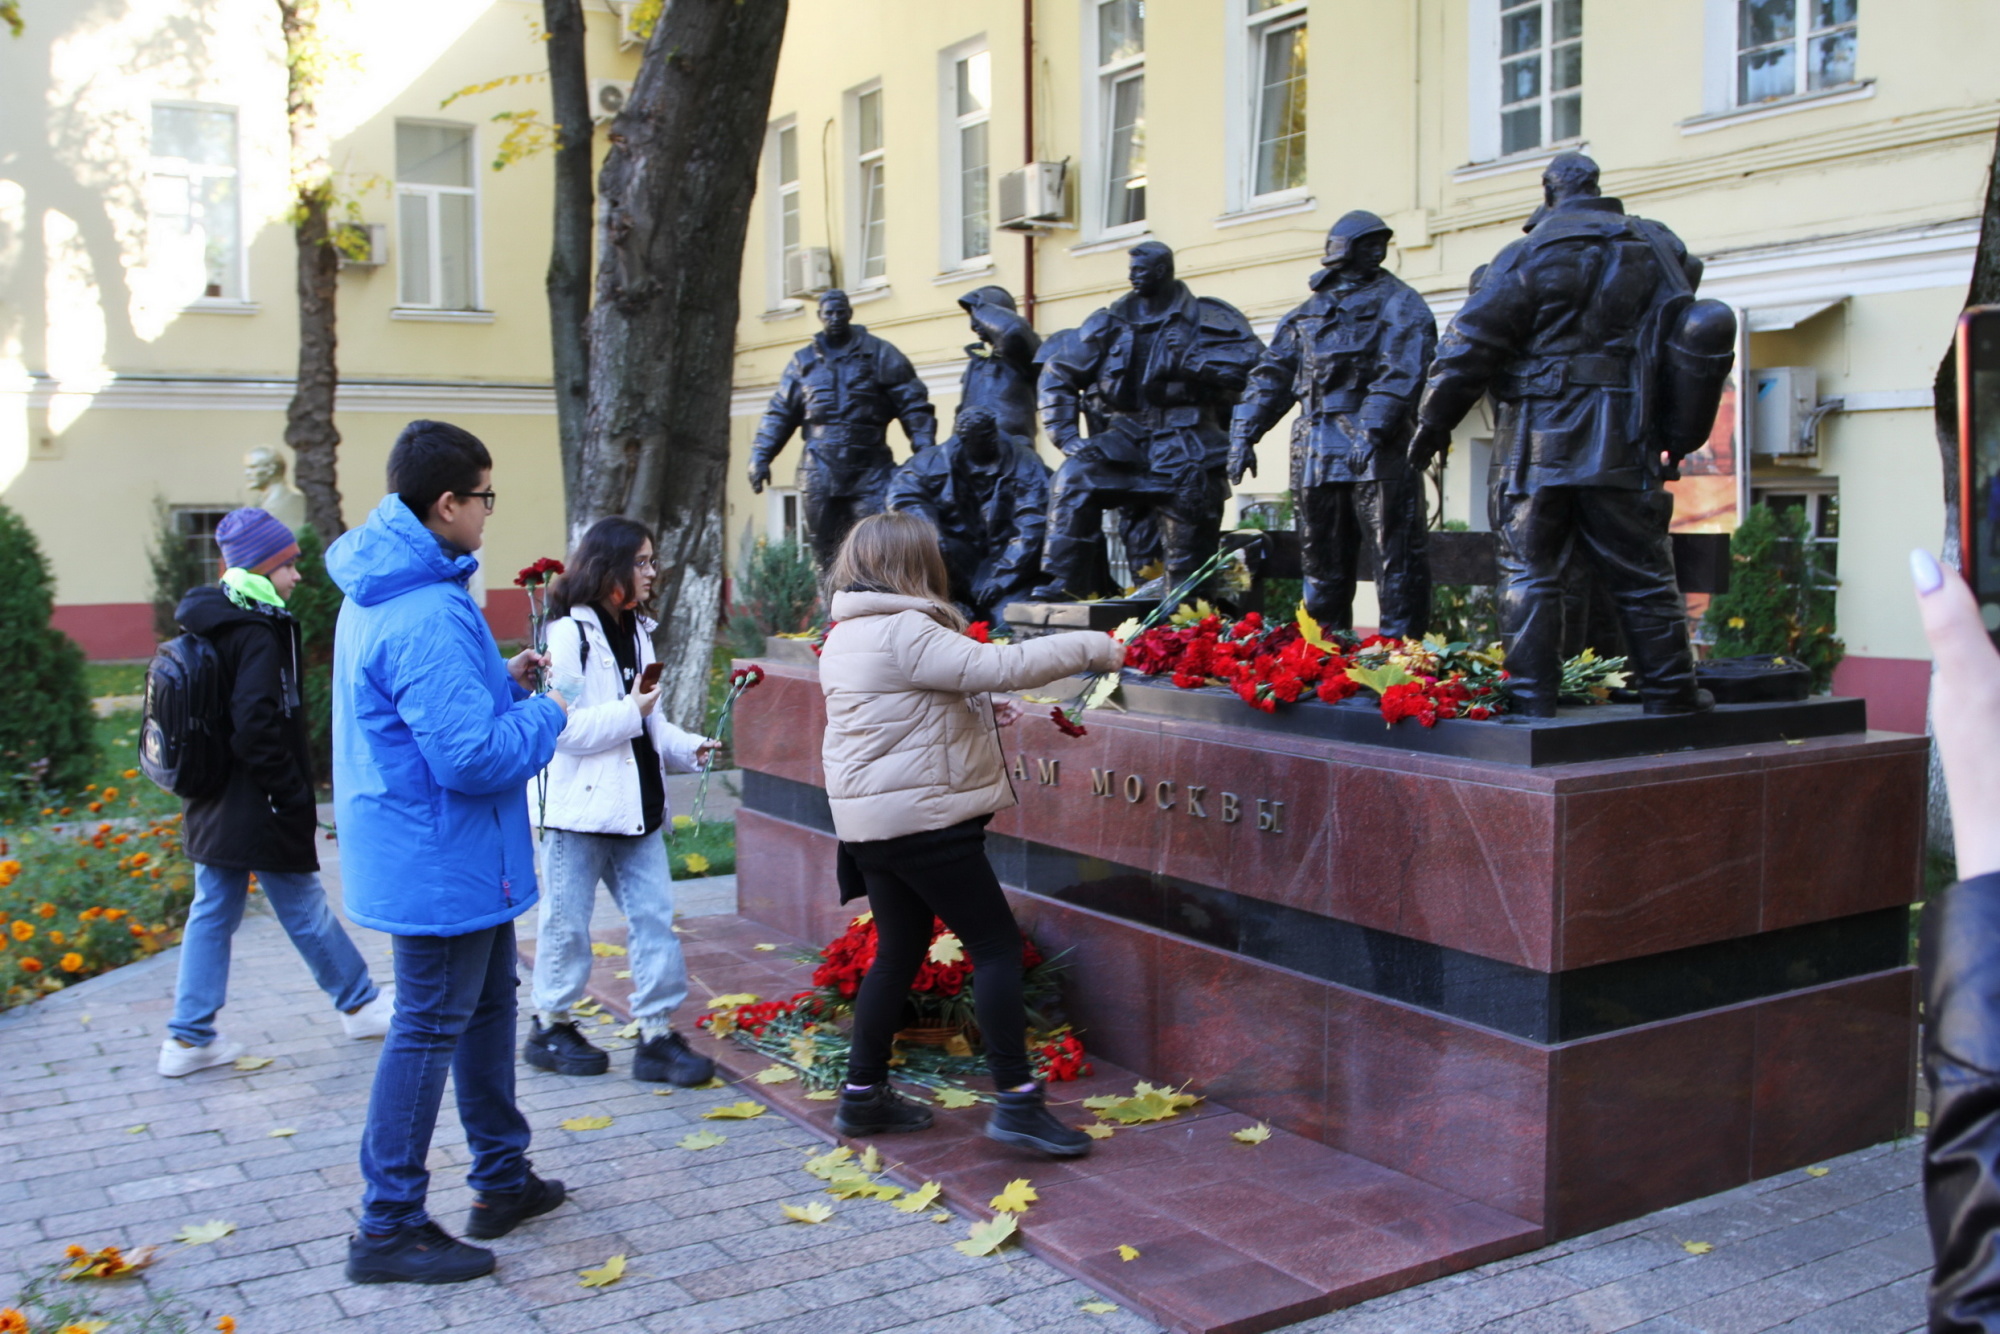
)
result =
(634, 868)
(300, 903)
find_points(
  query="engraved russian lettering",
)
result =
(1135, 787)
(1020, 770)
(1197, 793)
(1232, 808)
(1100, 782)
(1047, 772)
(1163, 794)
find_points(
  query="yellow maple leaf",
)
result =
(1817, 1171)
(631, 1030)
(919, 1199)
(696, 864)
(775, 1074)
(586, 1122)
(1128, 1252)
(828, 1164)
(1016, 1198)
(284, 1132)
(956, 1098)
(663, 1093)
(734, 1111)
(200, 1234)
(606, 950)
(586, 1007)
(871, 1160)
(988, 1237)
(1922, 1120)
(766, 948)
(822, 1095)
(252, 1062)
(1697, 1247)
(1127, 630)
(1309, 629)
(622, 974)
(941, 1218)
(946, 949)
(702, 1139)
(1256, 1134)
(814, 1211)
(1097, 1130)
(1096, 1308)
(134, 1130)
(732, 1000)
(714, 1082)
(613, 1270)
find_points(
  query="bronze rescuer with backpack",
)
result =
(225, 731)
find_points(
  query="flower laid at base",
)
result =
(802, 1032)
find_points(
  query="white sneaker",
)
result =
(372, 1019)
(176, 1060)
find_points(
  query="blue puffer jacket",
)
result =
(433, 743)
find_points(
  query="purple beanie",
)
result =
(252, 540)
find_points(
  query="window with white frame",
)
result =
(782, 162)
(1277, 52)
(871, 192)
(194, 232)
(1788, 47)
(1121, 93)
(437, 216)
(1541, 73)
(968, 99)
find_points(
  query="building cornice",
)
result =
(219, 393)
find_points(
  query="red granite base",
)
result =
(1232, 1239)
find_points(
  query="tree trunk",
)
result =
(676, 189)
(1983, 291)
(309, 427)
(568, 281)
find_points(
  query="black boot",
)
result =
(667, 1060)
(560, 1048)
(1699, 701)
(1023, 1120)
(878, 1110)
(425, 1253)
(496, 1213)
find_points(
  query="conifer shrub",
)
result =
(176, 570)
(47, 737)
(316, 604)
(777, 593)
(1781, 596)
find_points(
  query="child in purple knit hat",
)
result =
(264, 820)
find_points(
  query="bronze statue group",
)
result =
(1603, 367)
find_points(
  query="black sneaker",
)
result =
(560, 1048)
(1023, 1120)
(425, 1253)
(496, 1213)
(667, 1060)
(878, 1110)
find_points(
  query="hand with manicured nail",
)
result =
(1965, 702)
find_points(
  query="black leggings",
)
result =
(966, 894)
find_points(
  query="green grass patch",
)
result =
(114, 678)
(707, 849)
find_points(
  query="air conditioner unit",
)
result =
(373, 249)
(808, 271)
(1034, 197)
(1785, 413)
(607, 98)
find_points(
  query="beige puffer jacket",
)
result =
(910, 739)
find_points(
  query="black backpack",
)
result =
(184, 740)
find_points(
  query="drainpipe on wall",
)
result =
(1028, 151)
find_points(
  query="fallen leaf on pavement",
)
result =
(763, 947)
(920, 1199)
(871, 1160)
(663, 1093)
(1128, 1252)
(775, 1074)
(1016, 1198)
(630, 1030)
(1697, 1247)
(135, 1129)
(734, 1111)
(284, 1132)
(827, 1164)
(946, 949)
(702, 1139)
(822, 1095)
(586, 1122)
(1148, 1102)
(988, 1237)
(1096, 1308)
(200, 1234)
(1817, 1171)
(623, 974)
(1922, 1120)
(941, 1218)
(1256, 1134)
(955, 1098)
(816, 1211)
(252, 1062)
(108, 1262)
(604, 949)
(613, 1270)
(1097, 1130)
(732, 1000)
(714, 1082)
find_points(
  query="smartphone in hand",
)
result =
(650, 677)
(1978, 354)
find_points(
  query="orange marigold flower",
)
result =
(75, 1252)
(48, 810)
(24, 930)
(31, 965)
(227, 1324)
(91, 914)
(96, 806)
(4, 919)
(113, 914)
(90, 787)
(72, 962)
(129, 774)
(67, 810)
(110, 794)
(13, 1322)
(141, 858)
(46, 910)
(136, 929)
(58, 938)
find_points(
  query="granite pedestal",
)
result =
(1573, 992)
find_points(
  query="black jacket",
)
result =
(265, 818)
(1961, 977)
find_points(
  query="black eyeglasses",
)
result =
(488, 496)
(647, 565)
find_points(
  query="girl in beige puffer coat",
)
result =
(914, 771)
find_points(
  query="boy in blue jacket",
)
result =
(434, 740)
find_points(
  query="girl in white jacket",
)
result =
(607, 804)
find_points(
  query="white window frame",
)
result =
(853, 273)
(776, 193)
(1243, 87)
(477, 294)
(1483, 84)
(1099, 84)
(1719, 106)
(183, 168)
(951, 160)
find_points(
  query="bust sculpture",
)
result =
(1164, 367)
(987, 494)
(842, 390)
(266, 488)
(1353, 358)
(1606, 371)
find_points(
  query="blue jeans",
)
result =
(454, 1014)
(300, 903)
(634, 868)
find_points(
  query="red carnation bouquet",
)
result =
(942, 992)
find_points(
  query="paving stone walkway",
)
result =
(95, 1148)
